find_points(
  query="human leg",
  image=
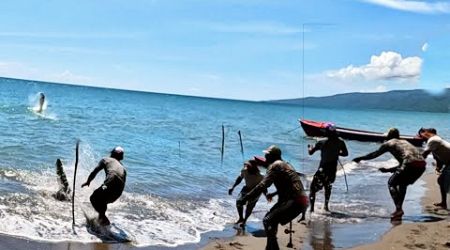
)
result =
(394, 189)
(100, 205)
(249, 209)
(443, 187)
(328, 188)
(316, 185)
(240, 205)
(281, 213)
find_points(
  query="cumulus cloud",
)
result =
(414, 6)
(425, 47)
(389, 65)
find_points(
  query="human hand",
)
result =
(85, 184)
(357, 159)
(269, 198)
(384, 170)
(230, 191)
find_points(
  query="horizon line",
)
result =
(204, 97)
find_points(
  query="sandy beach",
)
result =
(426, 235)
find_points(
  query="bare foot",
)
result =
(103, 220)
(440, 204)
(397, 215)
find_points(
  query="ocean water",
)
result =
(176, 186)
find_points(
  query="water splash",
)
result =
(152, 220)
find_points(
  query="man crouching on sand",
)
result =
(292, 199)
(112, 187)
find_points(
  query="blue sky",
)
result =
(235, 49)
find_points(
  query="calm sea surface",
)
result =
(176, 186)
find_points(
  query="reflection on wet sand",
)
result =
(320, 236)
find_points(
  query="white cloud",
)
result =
(389, 65)
(414, 6)
(425, 47)
(380, 88)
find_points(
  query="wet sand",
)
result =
(420, 235)
(424, 235)
(417, 235)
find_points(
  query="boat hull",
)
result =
(318, 129)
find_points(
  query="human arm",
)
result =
(237, 182)
(263, 185)
(343, 150)
(388, 170)
(313, 149)
(432, 145)
(383, 149)
(439, 165)
(269, 196)
(100, 166)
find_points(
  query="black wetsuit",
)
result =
(325, 176)
(411, 167)
(112, 187)
(292, 199)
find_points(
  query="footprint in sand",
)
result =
(415, 231)
(421, 246)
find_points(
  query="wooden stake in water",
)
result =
(242, 146)
(74, 181)
(222, 150)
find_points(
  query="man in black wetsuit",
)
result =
(292, 199)
(411, 167)
(331, 149)
(112, 187)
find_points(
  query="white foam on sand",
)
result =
(346, 168)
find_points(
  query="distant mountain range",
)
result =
(402, 100)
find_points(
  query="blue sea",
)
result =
(176, 186)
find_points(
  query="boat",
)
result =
(318, 129)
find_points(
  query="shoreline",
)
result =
(419, 235)
(430, 235)
(409, 235)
